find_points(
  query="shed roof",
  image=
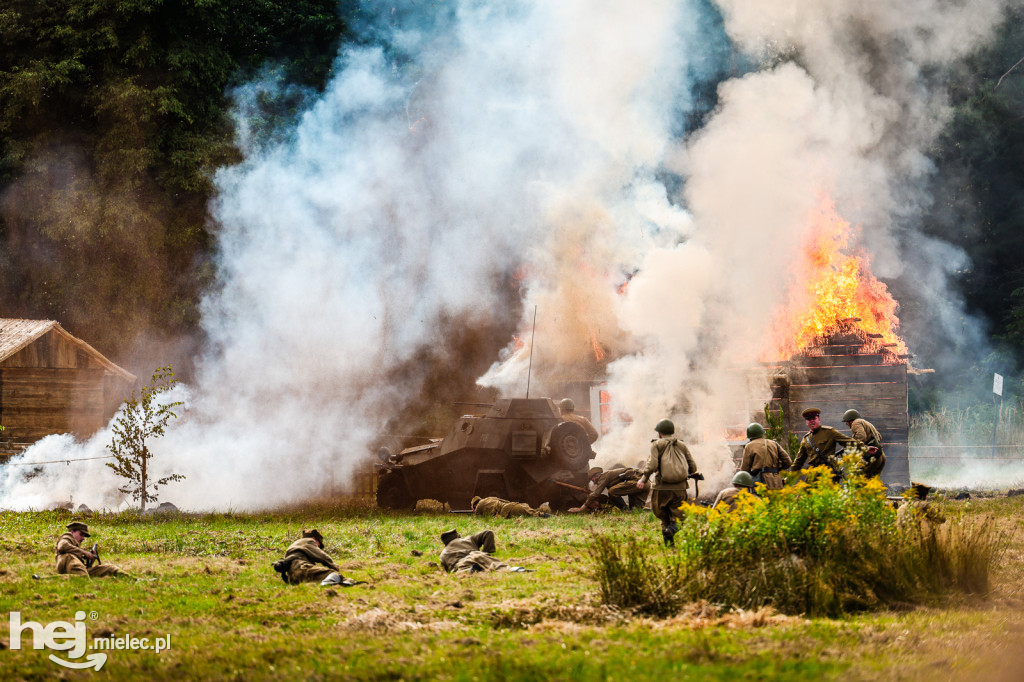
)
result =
(17, 334)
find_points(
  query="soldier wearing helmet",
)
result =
(764, 458)
(866, 433)
(568, 410)
(818, 446)
(619, 484)
(742, 482)
(671, 460)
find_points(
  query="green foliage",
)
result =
(140, 420)
(775, 429)
(818, 548)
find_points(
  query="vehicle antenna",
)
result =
(533, 335)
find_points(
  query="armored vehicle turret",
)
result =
(520, 450)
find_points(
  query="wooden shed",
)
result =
(52, 382)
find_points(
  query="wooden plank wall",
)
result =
(53, 386)
(836, 381)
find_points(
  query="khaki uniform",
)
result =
(866, 433)
(765, 458)
(592, 433)
(495, 506)
(307, 563)
(71, 560)
(667, 497)
(727, 498)
(472, 554)
(818, 447)
(618, 483)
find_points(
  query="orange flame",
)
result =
(596, 345)
(835, 288)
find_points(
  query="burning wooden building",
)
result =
(847, 368)
(52, 382)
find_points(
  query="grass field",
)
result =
(206, 583)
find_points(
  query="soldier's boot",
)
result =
(619, 503)
(668, 533)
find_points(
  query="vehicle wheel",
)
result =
(391, 494)
(569, 443)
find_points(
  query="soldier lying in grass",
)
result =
(495, 506)
(305, 561)
(73, 560)
(472, 554)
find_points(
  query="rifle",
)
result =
(696, 486)
(96, 553)
(461, 511)
(570, 485)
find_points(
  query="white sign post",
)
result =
(997, 390)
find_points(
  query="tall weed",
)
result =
(818, 547)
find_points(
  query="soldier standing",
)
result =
(495, 506)
(305, 561)
(741, 482)
(865, 432)
(620, 483)
(764, 458)
(472, 554)
(818, 446)
(671, 460)
(568, 410)
(73, 560)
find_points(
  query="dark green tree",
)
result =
(113, 117)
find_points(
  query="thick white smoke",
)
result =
(536, 139)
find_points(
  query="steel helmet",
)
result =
(567, 404)
(754, 430)
(850, 415)
(744, 479)
(665, 427)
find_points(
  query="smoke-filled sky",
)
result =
(468, 164)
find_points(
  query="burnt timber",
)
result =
(52, 382)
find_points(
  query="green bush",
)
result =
(818, 547)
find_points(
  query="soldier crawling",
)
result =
(306, 562)
(73, 560)
(472, 554)
(495, 506)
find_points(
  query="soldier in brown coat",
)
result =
(568, 410)
(305, 561)
(671, 460)
(741, 482)
(866, 433)
(620, 484)
(764, 458)
(472, 554)
(73, 560)
(818, 446)
(495, 506)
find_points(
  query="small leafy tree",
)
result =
(142, 419)
(776, 430)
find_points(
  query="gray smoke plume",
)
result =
(478, 162)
